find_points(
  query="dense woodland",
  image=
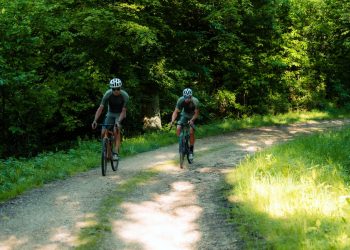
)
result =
(240, 57)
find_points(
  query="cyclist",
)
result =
(116, 99)
(189, 107)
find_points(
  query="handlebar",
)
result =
(191, 125)
(183, 125)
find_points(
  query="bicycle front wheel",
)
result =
(182, 151)
(104, 156)
(187, 152)
(114, 163)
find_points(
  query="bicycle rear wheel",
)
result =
(104, 158)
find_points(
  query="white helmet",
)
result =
(115, 83)
(187, 93)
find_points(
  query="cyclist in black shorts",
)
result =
(116, 99)
(188, 105)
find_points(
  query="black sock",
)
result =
(191, 148)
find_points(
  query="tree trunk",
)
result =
(151, 111)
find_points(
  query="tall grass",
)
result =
(19, 175)
(295, 195)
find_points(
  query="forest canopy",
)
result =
(240, 57)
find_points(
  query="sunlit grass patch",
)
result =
(291, 195)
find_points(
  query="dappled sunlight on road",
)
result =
(62, 235)
(252, 148)
(49, 247)
(169, 221)
(57, 238)
(257, 143)
(112, 176)
(12, 243)
(164, 156)
(305, 130)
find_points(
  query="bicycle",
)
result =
(108, 149)
(184, 143)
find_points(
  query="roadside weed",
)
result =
(296, 195)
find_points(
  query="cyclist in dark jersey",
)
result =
(188, 105)
(116, 100)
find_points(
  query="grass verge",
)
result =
(295, 195)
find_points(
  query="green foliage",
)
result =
(226, 101)
(17, 176)
(272, 56)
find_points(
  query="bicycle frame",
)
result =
(183, 138)
(184, 147)
(109, 135)
(107, 149)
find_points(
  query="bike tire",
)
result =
(104, 158)
(114, 164)
(187, 150)
(182, 151)
(182, 160)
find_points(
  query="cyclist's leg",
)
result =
(185, 119)
(117, 136)
(178, 128)
(108, 120)
(104, 128)
(192, 138)
(181, 121)
(192, 141)
(103, 131)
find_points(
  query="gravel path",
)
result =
(180, 209)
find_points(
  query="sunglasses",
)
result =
(114, 89)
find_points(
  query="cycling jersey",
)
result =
(115, 103)
(187, 109)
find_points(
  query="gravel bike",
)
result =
(108, 149)
(184, 143)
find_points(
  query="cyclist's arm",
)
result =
(125, 96)
(97, 115)
(194, 117)
(196, 110)
(122, 115)
(177, 109)
(98, 112)
(126, 100)
(104, 103)
(174, 115)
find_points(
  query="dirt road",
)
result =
(179, 209)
